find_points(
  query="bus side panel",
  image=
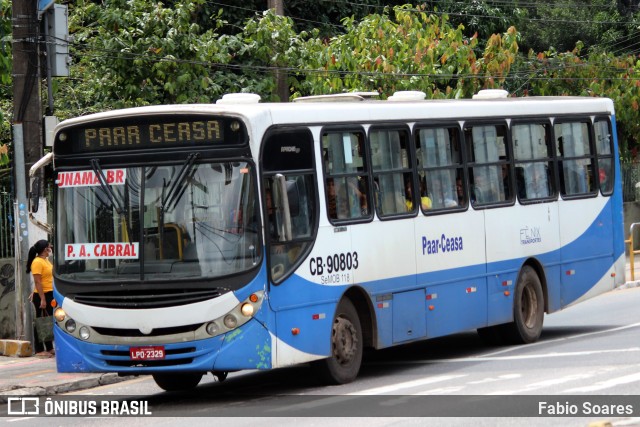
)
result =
(587, 248)
(456, 307)
(451, 266)
(306, 329)
(409, 316)
(387, 269)
(515, 234)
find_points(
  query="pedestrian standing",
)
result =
(41, 269)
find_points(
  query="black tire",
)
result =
(346, 347)
(528, 309)
(178, 381)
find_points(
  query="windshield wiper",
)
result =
(115, 201)
(173, 193)
(95, 165)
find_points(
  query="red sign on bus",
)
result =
(89, 178)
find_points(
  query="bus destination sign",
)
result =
(158, 132)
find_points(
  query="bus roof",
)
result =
(351, 110)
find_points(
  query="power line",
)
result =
(292, 70)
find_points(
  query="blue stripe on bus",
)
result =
(584, 264)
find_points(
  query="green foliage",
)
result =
(411, 50)
(5, 74)
(561, 25)
(133, 53)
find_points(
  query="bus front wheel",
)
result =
(528, 309)
(346, 347)
(178, 381)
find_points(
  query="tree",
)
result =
(5, 85)
(130, 53)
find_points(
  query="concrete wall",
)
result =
(7, 298)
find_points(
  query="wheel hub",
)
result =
(345, 341)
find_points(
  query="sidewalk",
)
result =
(37, 376)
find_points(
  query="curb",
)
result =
(15, 348)
(83, 384)
(629, 285)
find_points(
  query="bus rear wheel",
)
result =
(346, 347)
(177, 381)
(528, 309)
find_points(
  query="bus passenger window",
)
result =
(490, 173)
(347, 182)
(575, 158)
(605, 156)
(534, 163)
(440, 168)
(392, 175)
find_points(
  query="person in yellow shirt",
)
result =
(41, 269)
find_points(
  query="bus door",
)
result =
(289, 205)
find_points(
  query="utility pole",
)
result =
(282, 89)
(27, 134)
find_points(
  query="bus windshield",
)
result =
(184, 221)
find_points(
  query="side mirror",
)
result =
(34, 195)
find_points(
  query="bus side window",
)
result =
(347, 181)
(604, 152)
(490, 172)
(392, 175)
(440, 168)
(534, 160)
(576, 161)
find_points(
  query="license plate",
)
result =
(146, 353)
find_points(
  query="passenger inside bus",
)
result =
(358, 192)
(425, 201)
(337, 206)
(460, 191)
(408, 195)
(438, 193)
(482, 192)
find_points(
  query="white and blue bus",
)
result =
(245, 235)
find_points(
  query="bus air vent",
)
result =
(239, 98)
(491, 94)
(408, 95)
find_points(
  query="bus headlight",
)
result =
(70, 325)
(85, 333)
(230, 321)
(212, 328)
(247, 310)
(237, 316)
(59, 314)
